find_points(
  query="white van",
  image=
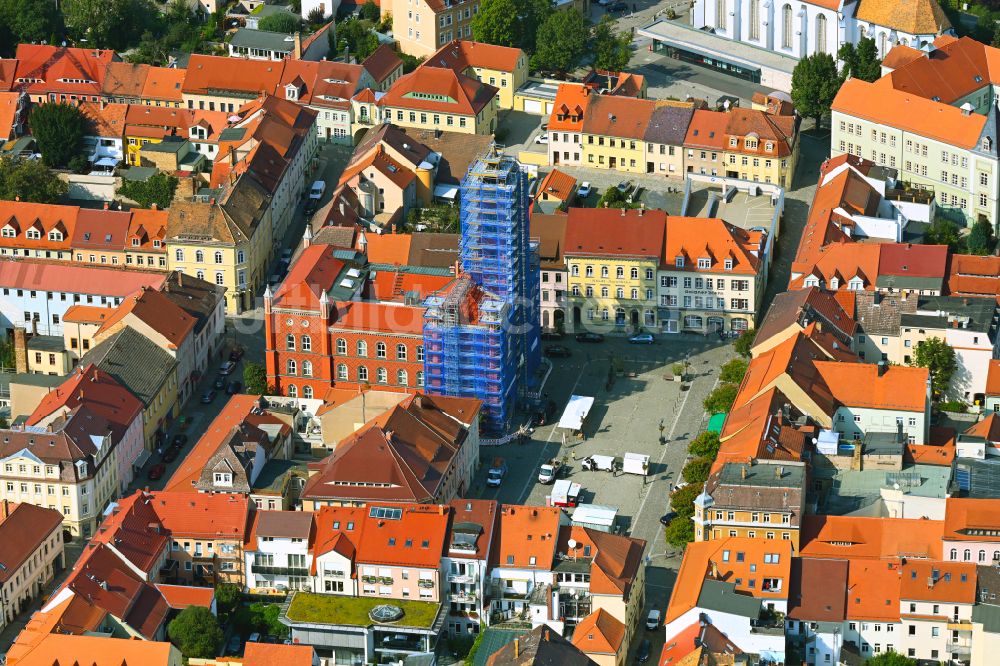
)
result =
(317, 189)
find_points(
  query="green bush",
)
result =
(682, 500)
(733, 371)
(953, 406)
(705, 445)
(721, 399)
(260, 617)
(696, 471)
(679, 532)
(743, 343)
(195, 632)
(157, 189)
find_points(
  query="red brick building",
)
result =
(338, 321)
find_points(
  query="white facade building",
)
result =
(277, 554)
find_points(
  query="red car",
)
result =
(156, 471)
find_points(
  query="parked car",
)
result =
(254, 638)
(642, 654)
(179, 440)
(234, 645)
(543, 413)
(589, 337)
(584, 190)
(552, 335)
(625, 185)
(208, 396)
(653, 620)
(286, 254)
(227, 368)
(234, 387)
(236, 354)
(317, 189)
(171, 454)
(542, 138)
(618, 8)
(156, 471)
(558, 351)
(641, 339)
(667, 517)
(496, 473)
(219, 383)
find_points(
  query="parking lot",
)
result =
(625, 417)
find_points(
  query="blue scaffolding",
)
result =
(492, 353)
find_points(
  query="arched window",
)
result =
(290, 342)
(307, 392)
(720, 13)
(290, 367)
(400, 352)
(574, 270)
(786, 27)
(241, 257)
(381, 376)
(341, 346)
(307, 343)
(755, 20)
(604, 292)
(220, 278)
(362, 373)
(420, 353)
(307, 368)
(179, 254)
(620, 272)
(821, 33)
(883, 44)
(967, 555)
(200, 274)
(292, 391)
(604, 271)
(362, 348)
(954, 554)
(620, 292)
(199, 257)
(634, 273)
(420, 377)
(218, 257)
(401, 378)
(380, 350)
(342, 372)
(982, 556)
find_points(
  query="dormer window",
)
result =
(55, 235)
(728, 264)
(855, 284)
(751, 144)
(33, 234)
(8, 232)
(704, 262)
(679, 261)
(291, 92)
(157, 243)
(834, 283)
(223, 479)
(135, 242)
(769, 146)
(987, 143)
(733, 142)
(812, 281)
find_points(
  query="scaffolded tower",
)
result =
(481, 335)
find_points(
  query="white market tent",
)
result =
(595, 517)
(576, 412)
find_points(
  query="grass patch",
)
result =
(334, 609)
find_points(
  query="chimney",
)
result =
(517, 646)
(297, 46)
(180, 278)
(20, 349)
(4, 509)
(211, 201)
(743, 472)
(105, 205)
(779, 471)
(882, 367)
(154, 206)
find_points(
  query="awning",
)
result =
(142, 459)
(106, 162)
(576, 412)
(445, 192)
(716, 422)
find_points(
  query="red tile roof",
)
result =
(907, 259)
(948, 582)
(968, 519)
(179, 597)
(417, 539)
(420, 88)
(610, 232)
(873, 590)
(556, 185)
(61, 277)
(382, 62)
(623, 117)
(8, 114)
(157, 312)
(528, 534)
(856, 537)
(23, 529)
(272, 654)
(697, 238)
(210, 516)
(20, 217)
(379, 317)
(707, 130)
(219, 75)
(569, 107)
(599, 633)
(48, 66)
(459, 55)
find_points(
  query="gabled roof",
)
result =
(441, 90)
(854, 537)
(948, 582)
(273, 654)
(969, 519)
(23, 529)
(57, 649)
(557, 185)
(42, 68)
(569, 107)
(542, 646)
(206, 515)
(155, 310)
(873, 590)
(459, 55)
(98, 230)
(179, 597)
(164, 83)
(134, 361)
(382, 62)
(135, 532)
(610, 232)
(528, 533)
(599, 633)
(621, 117)
(799, 307)
(707, 129)
(818, 590)
(222, 76)
(914, 17)
(860, 385)
(616, 558)
(695, 238)
(669, 123)
(107, 120)
(741, 122)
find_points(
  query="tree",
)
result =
(815, 82)
(869, 67)
(679, 532)
(369, 11)
(280, 22)
(981, 240)
(848, 55)
(612, 50)
(696, 471)
(733, 371)
(613, 198)
(27, 21)
(939, 358)
(316, 15)
(705, 445)
(357, 36)
(410, 62)
(744, 343)
(944, 232)
(721, 399)
(59, 130)
(30, 180)
(255, 378)
(562, 41)
(496, 23)
(195, 632)
(157, 189)
(890, 658)
(682, 500)
(260, 617)
(228, 595)
(112, 24)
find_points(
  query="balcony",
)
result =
(462, 597)
(460, 578)
(960, 625)
(423, 582)
(267, 569)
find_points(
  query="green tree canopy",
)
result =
(744, 343)
(59, 129)
(255, 378)
(732, 372)
(195, 632)
(110, 24)
(869, 67)
(370, 11)
(981, 240)
(696, 471)
(705, 445)
(721, 399)
(939, 358)
(890, 658)
(281, 22)
(612, 50)
(944, 232)
(358, 37)
(30, 180)
(510, 22)
(228, 595)
(157, 189)
(815, 82)
(28, 21)
(562, 41)
(682, 500)
(679, 532)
